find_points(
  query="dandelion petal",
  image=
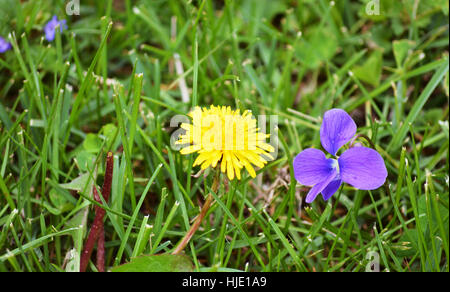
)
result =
(311, 167)
(362, 168)
(315, 190)
(244, 144)
(331, 188)
(336, 130)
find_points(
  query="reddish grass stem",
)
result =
(97, 230)
(101, 250)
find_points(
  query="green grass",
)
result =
(110, 83)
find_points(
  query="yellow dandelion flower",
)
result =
(220, 134)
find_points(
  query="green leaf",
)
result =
(110, 132)
(56, 199)
(60, 204)
(82, 184)
(157, 263)
(79, 220)
(51, 209)
(404, 247)
(319, 46)
(370, 71)
(85, 160)
(92, 143)
(77, 184)
(401, 50)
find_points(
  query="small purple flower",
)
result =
(361, 167)
(50, 28)
(4, 45)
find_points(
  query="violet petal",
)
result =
(4, 45)
(312, 167)
(337, 129)
(315, 190)
(363, 168)
(331, 188)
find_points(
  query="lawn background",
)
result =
(110, 83)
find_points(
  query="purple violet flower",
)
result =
(361, 167)
(4, 45)
(50, 28)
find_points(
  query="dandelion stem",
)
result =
(199, 218)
